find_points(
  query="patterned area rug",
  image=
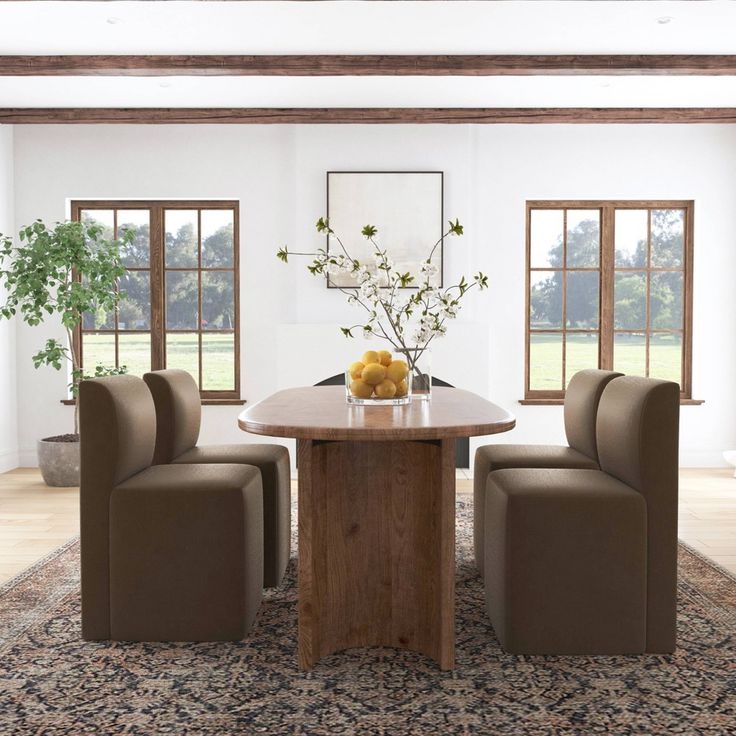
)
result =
(52, 682)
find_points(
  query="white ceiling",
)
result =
(368, 92)
(512, 27)
(460, 27)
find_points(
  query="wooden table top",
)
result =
(321, 413)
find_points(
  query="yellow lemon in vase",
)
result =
(373, 373)
(370, 356)
(361, 389)
(401, 389)
(356, 369)
(397, 371)
(386, 389)
(385, 357)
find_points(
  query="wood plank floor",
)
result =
(36, 519)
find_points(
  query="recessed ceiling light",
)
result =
(114, 20)
(604, 84)
(164, 84)
(663, 20)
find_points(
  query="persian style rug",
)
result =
(52, 682)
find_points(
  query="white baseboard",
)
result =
(9, 460)
(702, 459)
(27, 458)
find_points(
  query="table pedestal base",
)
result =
(376, 547)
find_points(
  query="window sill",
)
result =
(205, 402)
(560, 402)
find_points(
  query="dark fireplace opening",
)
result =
(462, 445)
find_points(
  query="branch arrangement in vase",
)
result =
(409, 323)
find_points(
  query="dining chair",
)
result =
(178, 419)
(581, 561)
(581, 409)
(168, 552)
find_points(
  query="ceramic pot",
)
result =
(58, 462)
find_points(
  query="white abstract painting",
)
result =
(406, 207)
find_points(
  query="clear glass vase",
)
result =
(383, 393)
(419, 361)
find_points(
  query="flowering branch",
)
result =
(409, 324)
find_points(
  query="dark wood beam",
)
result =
(356, 115)
(388, 65)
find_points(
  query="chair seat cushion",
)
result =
(246, 454)
(494, 457)
(202, 478)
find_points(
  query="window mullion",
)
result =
(117, 289)
(564, 299)
(158, 337)
(199, 296)
(647, 304)
(607, 262)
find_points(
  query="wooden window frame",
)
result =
(607, 270)
(157, 267)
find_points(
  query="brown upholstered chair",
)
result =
(581, 408)
(169, 553)
(584, 561)
(178, 415)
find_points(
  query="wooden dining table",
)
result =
(376, 515)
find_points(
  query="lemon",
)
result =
(401, 388)
(356, 369)
(397, 371)
(386, 389)
(373, 373)
(361, 389)
(384, 357)
(370, 356)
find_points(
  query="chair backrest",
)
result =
(581, 409)
(638, 440)
(117, 424)
(178, 413)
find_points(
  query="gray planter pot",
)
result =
(59, 463)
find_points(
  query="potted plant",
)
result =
(64, 270)
(408, 323)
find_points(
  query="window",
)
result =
(609, 285)
(179, 307)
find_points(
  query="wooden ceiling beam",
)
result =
(260, 116)
(364, 65)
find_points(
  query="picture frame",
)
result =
(407, 207)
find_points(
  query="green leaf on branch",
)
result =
(52, 354)
(369, 231)
(482, 280)
(283, 254)
(405, 279)
(455, 227)
(347, 331)
(323, 225)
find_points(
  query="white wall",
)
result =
(290, 320)
(8, 406)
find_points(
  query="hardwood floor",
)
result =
(36, 519)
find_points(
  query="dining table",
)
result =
(376, 515)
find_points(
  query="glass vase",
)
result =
(419, 361)
(361, 393)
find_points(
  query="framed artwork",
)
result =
(405, 206)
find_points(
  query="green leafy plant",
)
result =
(64, 270)
(409, 323)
